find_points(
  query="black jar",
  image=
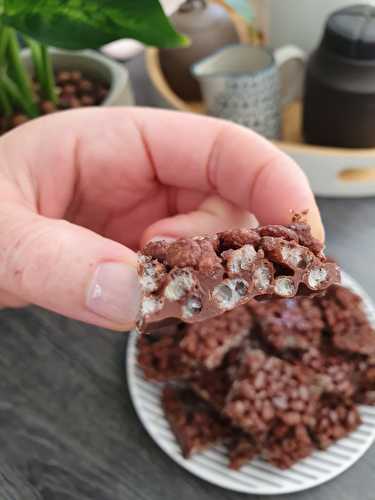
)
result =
(339, 95)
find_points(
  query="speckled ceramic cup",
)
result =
(241, 83)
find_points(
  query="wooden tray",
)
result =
(333, 172)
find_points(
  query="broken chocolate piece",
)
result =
(269, 389)
(160, 357)
(291, 324)
(212, 386)
(206, 343)
(334, 374)
(334, 421)
(286, 445)
(347, 321)
(195, 425)
(365, 380)
(197, 428)
(200, 278)
(241, 449)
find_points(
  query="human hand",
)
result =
(81, 191)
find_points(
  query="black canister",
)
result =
(339, 97)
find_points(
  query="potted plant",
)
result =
(59, 69)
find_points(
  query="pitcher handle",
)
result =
(291, 81)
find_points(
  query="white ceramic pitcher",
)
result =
(241, 83)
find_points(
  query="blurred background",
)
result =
(312, 114)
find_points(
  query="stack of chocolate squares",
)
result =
(275, 378)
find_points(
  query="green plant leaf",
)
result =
(13, 91)
(49, 77)
(242, 7)
(81, 24)
(19, 75)
(5, 105)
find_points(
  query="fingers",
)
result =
(237, 164)
(67, 269)
(9, 300)
(213, 215)
(146, 154)
(126, 169)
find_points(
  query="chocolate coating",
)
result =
(200, 278)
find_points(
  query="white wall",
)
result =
(297, 21)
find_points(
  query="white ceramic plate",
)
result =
(257, 477)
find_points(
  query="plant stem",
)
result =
(50, 85)
(17, 97)
(21, 76)
(36, 55)
(5, 103)
(4, 39)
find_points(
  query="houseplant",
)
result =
(71, 25)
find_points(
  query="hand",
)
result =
(81, 191)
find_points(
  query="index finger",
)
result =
(196, 152)
(143, 150)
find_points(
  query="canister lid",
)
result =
(350, 32)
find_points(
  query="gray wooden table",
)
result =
(67, 427)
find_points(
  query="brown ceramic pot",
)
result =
(209, 27)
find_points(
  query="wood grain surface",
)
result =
(67, 427)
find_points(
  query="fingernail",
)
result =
(114, 292)
(168, 239)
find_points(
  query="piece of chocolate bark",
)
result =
(200, 278)
(213, 386)
(160, 356)
(347, 322)
(286, 445)
(206, 343)
(267, 390)
(334, 421)
(180, 351)
(290, 324)
(194, 423)
(241, 449)
(365, 380)
(334, 375)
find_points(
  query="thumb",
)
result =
(68, 269)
